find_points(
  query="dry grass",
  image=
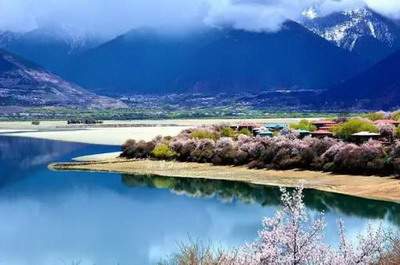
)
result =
(196, 254)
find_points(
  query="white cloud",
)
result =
(112, 17)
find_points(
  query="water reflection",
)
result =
(22, 156)
(54, 218)
(268, 196)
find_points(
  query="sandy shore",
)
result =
(97, 157)
(372, 187)
(105, 136)
(46, 125)
(113, 132)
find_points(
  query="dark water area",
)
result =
(62, 218)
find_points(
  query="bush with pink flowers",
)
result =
(280, 152)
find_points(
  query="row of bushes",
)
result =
(347, 128)
(281, 152)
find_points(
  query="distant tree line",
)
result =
(84, 121)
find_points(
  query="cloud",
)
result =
(112, 17)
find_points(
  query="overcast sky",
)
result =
(112, 17)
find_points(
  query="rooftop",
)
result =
(394, 122)
(365, 134)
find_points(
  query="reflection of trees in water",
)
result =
(268, 196)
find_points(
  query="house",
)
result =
(387, 122)
(245, 125)
(364, 136)
(321, 133)
(324, 124)
(303, 133)
(276, 126)
(265, 133)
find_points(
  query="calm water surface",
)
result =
(53, 218)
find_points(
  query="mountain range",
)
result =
(23, 83)
(351, 54)
(214, 60)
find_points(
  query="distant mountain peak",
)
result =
(347, 27)
(361, 30)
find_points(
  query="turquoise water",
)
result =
(62, 218)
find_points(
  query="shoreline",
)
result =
(369, 187)
(113, 132)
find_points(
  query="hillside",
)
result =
(377, 87)
(23, 83)
(214, 60)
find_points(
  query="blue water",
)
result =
(53, 218)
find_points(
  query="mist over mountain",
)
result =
(214, 60)
(50, 47)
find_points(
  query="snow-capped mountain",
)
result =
(362, 31)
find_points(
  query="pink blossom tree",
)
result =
(292, 237)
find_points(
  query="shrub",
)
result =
(133, 149)
(36, 123)
(204, 151)
(183, 148)
(395, 115)
(246, 132)
(374, 116)
(204, 134)
(352, 126)
(163, 151)
(225, 151)
(397, 132)
(387, 131)
(228, 132)
(303, 125)
(367, 158)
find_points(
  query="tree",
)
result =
(163, 151)
(374, 116)
(303, 125)
(291, 237)
(347, 129)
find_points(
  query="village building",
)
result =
(276, 127)
(361, 137)
(303, 133)
(387, 122)
(245, 125)
(321, 133)
(324, 125)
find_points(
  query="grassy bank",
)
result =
(371, 187)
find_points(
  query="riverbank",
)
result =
(113, 132)
(370, 187)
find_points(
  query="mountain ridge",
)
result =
(23, 83)
(214, 60)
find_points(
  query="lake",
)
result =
(64, 218)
